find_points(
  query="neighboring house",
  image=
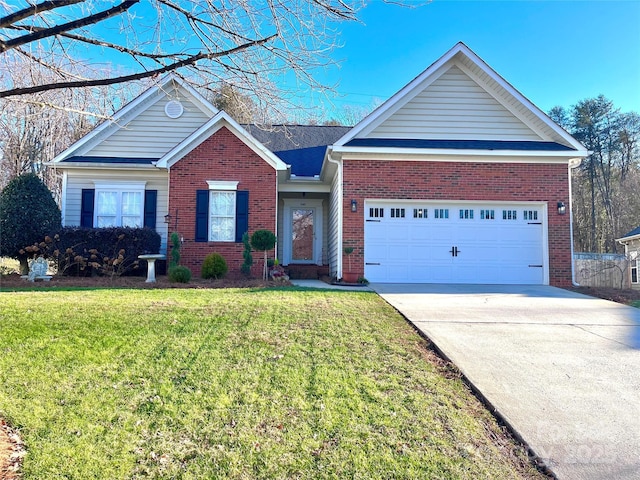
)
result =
(631, 242)
(457, 178)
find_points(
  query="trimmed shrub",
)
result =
(246, 255)
(179, 274)
(263, 240)
(28, 213)
(214, 266)
(174, 260)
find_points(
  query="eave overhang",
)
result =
(571, 157)
(220, 120)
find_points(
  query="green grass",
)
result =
(235, 384)
(636, 304)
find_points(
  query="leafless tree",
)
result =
(250, 44)
(35, 127)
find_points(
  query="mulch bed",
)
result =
(613, 294)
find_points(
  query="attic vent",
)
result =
(173, 109)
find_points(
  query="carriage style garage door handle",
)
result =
(454, 251)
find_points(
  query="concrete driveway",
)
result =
(562, 369)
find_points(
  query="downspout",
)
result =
(63, 196)
(338, 164)
(574, 163)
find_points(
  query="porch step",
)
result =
(306, 272)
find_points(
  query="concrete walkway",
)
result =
(325, 285)
(561, 368)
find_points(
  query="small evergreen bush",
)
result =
(246, 255)
(180, 274)
(28, 213)
(214, 266)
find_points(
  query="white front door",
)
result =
(302, 231)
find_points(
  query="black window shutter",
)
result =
(202, 215)
(86, 207)
(242, 213)
(150, 202)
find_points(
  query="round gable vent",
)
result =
(173, 109)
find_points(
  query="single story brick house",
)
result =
(631, 242)
(457, 178)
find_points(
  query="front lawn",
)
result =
(239, 384)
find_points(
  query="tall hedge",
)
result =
(28, 213)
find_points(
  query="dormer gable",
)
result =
(148, 127)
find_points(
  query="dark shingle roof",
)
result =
(458, 144)
(635, 231)
(301, 146)
(115, 160)
(279, 138)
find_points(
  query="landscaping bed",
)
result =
(625, 296)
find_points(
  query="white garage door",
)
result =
(422, 242)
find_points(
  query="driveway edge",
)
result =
(533, 457)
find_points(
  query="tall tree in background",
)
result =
(605, 200)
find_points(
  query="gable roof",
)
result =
(220, 120)
(129, 112)
(632, 235)
(303, 147)
(483, 85)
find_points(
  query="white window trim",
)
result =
(635, 261)
(222, 186)
(119, 188)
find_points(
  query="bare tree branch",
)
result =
(53, 31)
(191, 60)
(32, 10)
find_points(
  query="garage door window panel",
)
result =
(397, 213)
(487, 214)
(509, 214)
(442, 213)
(420, 213)
(466, 214)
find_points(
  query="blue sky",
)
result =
(553, 52)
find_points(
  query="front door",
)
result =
(302, 234)
(302, 231)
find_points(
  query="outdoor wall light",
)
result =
(354, 205)
(562, 209)
(167, 218)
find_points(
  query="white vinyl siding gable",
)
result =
(454, 107)
(152, 133)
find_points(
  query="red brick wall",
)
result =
(221, 157)
(460, 181)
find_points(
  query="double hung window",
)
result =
(119, 205)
